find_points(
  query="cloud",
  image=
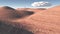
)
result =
(41, 4)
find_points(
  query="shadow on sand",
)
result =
(8, 29)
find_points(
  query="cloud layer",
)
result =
(41, 4)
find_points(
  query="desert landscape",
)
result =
(29, 20)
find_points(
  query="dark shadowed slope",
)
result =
(9, 29)
(24, 13)
(6, 15)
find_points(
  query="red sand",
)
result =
(40, 22)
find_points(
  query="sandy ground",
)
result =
(30, 21)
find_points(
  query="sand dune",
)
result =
(31, 9)
(7, 13)
(46, 22)
(37, 21)
(10, 13)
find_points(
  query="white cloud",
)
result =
(41, 4)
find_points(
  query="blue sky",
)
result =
(24, 3)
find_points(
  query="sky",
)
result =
(25, 3)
